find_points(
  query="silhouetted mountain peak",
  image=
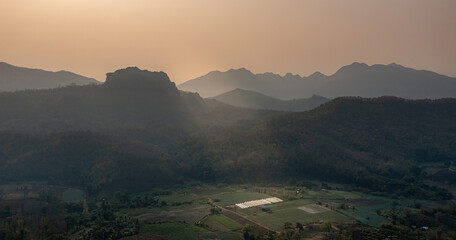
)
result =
(395, 65)
(291, 75)
(317, 75)
(133, 78)
(358, 64)
(353, 68)
(213, 73)
(269, 75)
(240, 71)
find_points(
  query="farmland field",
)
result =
(276, 220)
(191, 214)
(181, 231)
(312, 208)
(225, 221)
(290, 212)
(187, 206)
(368, 214)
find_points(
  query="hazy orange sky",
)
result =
(187, 38)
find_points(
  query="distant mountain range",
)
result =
(14, 78)
(250, 99)
(357, 79)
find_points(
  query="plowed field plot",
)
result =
(190, 214)
(312, 209)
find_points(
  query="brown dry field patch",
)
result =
(312, 209)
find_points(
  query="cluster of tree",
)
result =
(39, 218)
(407, 223)
(440, 217)
(388, 231)
(50, 217)
(81, 158)
(100, 221)
(290, 231)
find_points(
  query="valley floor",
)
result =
(208, 212)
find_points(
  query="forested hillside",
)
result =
(377, 144)
(374, 143)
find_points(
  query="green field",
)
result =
(73, 194)
(290, 212)
(225, 221)
(181, 231)
(368, 214)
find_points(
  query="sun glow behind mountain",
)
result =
(190, 38)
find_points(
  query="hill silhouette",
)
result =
(357, 79)
(134, 103)
(14, 78)
(377, 80)
(250, 99)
